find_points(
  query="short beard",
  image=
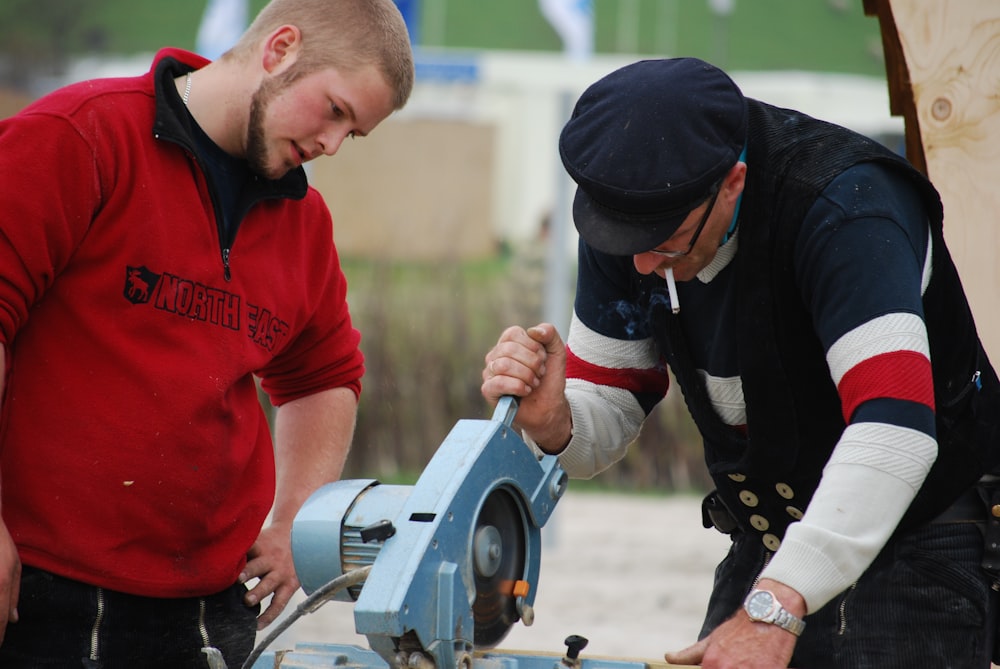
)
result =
(257, 155)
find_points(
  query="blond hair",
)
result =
(343, 34)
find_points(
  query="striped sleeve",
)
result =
(614, 372)
(632, 365)
(885, 357)
(864, 261)
(603, 377)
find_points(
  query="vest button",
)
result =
(771, 542)
(995, 510)
(759, 522)
(739, 478)
(748, 498)
(785, 490)
(793, 512)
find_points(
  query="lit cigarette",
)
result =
(675, 305)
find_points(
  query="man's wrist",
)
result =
(555, 437)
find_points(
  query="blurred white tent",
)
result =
(573, 20)
(222, 24)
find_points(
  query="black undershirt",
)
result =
(226, 175)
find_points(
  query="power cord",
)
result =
(318, 598)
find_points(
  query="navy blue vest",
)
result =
(767, 476)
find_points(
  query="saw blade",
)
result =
(498, 563)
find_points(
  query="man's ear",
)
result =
(735, 180)
(281, 49)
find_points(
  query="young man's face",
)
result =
(293, 120)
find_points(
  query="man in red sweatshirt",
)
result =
(160, 249)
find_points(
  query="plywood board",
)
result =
(950, 60)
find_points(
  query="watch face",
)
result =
(759, 605)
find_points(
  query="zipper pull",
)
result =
(214, 658)
(213, 655)
(225, 265)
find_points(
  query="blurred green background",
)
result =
(820, 35)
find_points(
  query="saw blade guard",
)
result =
(499, 554)
(454, 558)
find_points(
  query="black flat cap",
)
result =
(645, 144)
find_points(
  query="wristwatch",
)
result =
(763, 607)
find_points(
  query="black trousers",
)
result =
(925, 602)
(68, 624)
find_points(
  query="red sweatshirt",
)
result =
(134, 452)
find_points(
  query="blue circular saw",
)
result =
(454, 559)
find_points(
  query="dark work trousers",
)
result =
(925, 602)
(68, 624)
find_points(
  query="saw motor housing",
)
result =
(454, 558)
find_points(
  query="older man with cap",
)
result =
(822, 340)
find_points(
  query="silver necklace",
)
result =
(187, 89)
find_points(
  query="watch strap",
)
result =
(787, 621)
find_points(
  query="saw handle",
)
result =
(506, 409)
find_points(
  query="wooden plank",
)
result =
(586, 661)
(947, 62)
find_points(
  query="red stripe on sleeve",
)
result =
(902, 375)
(652, 380)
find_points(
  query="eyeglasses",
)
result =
(697, 230)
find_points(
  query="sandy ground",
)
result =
(631, 574)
